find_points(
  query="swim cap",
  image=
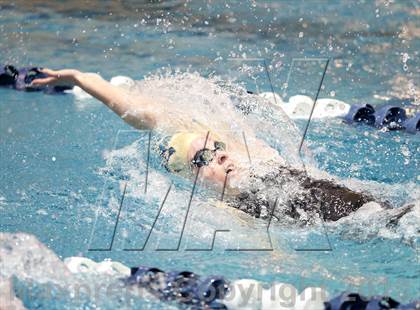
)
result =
(180, 142)
(175, 152)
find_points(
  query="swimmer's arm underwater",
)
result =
(138, 113)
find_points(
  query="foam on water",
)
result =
(22, 255)
(192, 102)
(128, 165)
(369, 224)
(372, 221)
(224, 107)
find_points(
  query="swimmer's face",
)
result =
(217, 169)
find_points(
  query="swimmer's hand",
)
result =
(66, 77)
(140, 112)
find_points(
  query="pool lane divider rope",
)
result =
(391, 117)
(388, 117)
(215, 292)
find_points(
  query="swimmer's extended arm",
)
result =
(138, 113)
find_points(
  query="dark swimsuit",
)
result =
(322, 198)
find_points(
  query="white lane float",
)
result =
(122, 81)
(329, 107)
(80, 264)
(280, 296)
(244, 294)
(248, 294)
(300, 106)
(284, 296)
(312, 298)
(78, 93)
(86, 265)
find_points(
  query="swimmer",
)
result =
(217, 158)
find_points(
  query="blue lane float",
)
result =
(21, 79)
(354, 301)
(183, 287)
(391, 117)
(361, 113)
(412, 125)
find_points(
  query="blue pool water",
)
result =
(64, 162)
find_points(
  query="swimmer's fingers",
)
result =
(50, 72)
(51, 79)
(44, 81)
(64, 77)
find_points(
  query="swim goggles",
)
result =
(204, 156)
(166, 154)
